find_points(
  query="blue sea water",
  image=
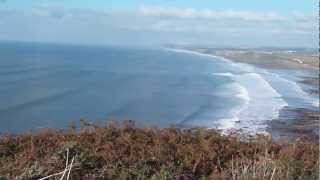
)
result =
(44, 85)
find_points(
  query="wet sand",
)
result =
(295, 123)
(292, 122)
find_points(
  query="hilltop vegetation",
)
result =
(127, 152)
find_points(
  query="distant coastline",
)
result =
(292, 122)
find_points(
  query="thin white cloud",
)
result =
(51, 12)
(159, 25)
(208, 14)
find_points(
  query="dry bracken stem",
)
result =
(67, 161)
(254, 170)
(232, 170)
(66, 169)
(196, 164)
(64, 173)
(57, 174)
(70, 168)
(274, 171)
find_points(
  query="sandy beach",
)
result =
(292, 122)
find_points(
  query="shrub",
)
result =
(126, 152)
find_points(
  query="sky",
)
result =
(249, 23)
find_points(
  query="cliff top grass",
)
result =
(124, 151)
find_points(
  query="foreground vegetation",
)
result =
(127, 152)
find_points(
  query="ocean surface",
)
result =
(44, 85)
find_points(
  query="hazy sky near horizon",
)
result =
(157, 22)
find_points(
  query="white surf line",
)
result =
(251, 116)
(293, 88)
(298, 60)
(241, 115)
(250, 67)
(229, 123)
(203, 54)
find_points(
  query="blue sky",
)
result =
(156, 22)
(254, 5)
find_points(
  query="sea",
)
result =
(52, 86)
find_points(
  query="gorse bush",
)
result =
(126, 152)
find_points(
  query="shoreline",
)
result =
(295, 123)
(292, 122)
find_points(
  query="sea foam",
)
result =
(260, 101)
(292, 90)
